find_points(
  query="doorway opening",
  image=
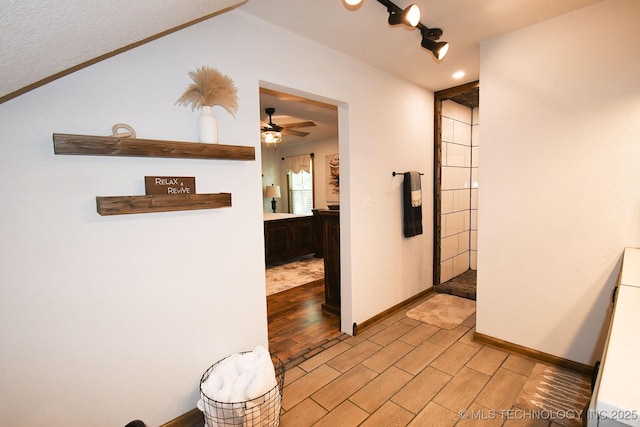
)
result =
(456, 189)
(294, 258)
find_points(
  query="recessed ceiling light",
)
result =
(458, 74)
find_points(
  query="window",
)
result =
(300, 184)
(301, 192)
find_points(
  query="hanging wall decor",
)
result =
(333, 178)
(209, 88)
(169, 185)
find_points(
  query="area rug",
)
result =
(443, 310)
(286, 276)
(556, 395)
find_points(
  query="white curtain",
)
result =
(296, 164)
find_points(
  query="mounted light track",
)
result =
(411, 16)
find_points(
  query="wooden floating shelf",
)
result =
(89, 145)
(121, 205)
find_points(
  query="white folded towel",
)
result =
(248, 362)
(259, 368)
(241, 377)
(416, 189)
(261, 383)
(218, 386)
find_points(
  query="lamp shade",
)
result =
(273, 191)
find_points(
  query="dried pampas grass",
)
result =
(210, 88)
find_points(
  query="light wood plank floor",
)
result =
(404, 372)
(398, 372)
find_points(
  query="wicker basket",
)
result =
(263, 411)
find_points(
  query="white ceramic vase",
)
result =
(207, 126)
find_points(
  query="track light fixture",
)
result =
(429, 41)
(411, 16)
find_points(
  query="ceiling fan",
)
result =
(287, 128)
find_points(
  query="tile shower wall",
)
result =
(475, 186)
(460, 155)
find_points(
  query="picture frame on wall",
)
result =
(333, 178)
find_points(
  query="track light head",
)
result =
(430, 41)
(439, 49)
(409, 16)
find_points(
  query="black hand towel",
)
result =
(412, 216)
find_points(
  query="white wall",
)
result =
(560, 133)
(107, 319)
(271, 176)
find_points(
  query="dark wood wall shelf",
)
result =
(90, 145)
(121, 205)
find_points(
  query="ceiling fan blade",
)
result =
(304, 124)
(294, 132)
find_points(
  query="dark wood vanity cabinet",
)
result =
(287, 239)
(317, 234)
(330, 220)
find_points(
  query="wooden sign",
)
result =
(155, 185)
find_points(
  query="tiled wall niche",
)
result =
(460, 163)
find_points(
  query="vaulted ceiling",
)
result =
(363, 32)
(41, 40)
